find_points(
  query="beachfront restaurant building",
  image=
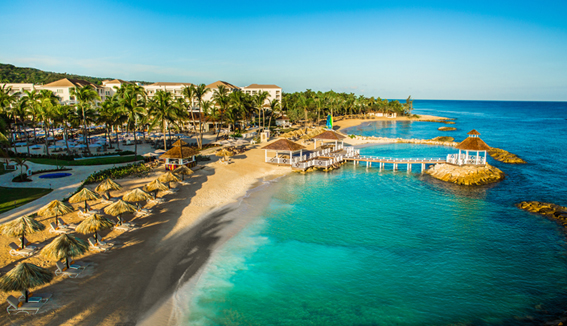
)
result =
(179, 154)
(284, 150)
(472, 143)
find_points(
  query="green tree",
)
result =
(132, 100)
(162, 111)
(199, 92)
(86, 97)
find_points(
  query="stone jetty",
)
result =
(504, 156)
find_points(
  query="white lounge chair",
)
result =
(16, 251)
(79, 265)
(30, 307)
(95, 246)
(63, 270)
(59, 229)
(126, 227)
(101, 241)
(37, 297)
(109, 200)
(156, 200)
(65, 225)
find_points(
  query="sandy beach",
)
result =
(145, 266)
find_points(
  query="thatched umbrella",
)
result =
(118, 208)
(136, 195)
(23, 277)
(84, 195)
(168, 177)
(65, 246)
(224, 153)
(106, 186)
(156, 186)
(54, 208)
(22, 226)
(183, 170)
(94, 223)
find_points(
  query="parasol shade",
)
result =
(136, 195)
(65, 246)
(23, 277)
(22, 226)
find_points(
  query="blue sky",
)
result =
(487, 50)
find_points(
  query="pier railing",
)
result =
(463, 159)
(400, 160)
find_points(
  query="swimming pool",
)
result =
(54, 175)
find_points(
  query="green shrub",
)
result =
(118, 172)
(200, 158)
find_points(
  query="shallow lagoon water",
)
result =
(370, 247)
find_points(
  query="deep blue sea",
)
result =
(361, 246)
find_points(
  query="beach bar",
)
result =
(471, 143)
(283, 147)
(180, 154)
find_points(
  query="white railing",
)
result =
(463, 159)
(401, 160)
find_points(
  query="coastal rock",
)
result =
(505, 156)
(550, 210)
(467, 175)
(446, 129)
(443, 139)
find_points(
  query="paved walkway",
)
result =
(63, 187)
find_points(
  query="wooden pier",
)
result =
(382, 161)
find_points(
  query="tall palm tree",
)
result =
(199, 92)
(132, 100)
(20, 113)
(274, 107)
(60, 116)
(163, 111)
(189, 96)
(259, 101)
(222, 101)
(86, 96)
(21, 162)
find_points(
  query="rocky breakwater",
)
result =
(555, 212)
(467, 175)
(505, 156)
(435, 141)
(446, 128)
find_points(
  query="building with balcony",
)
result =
(274, 91)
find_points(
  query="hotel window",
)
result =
(59, 91)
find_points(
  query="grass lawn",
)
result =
(11, 198)
(93, 161)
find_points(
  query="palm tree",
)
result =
(200, 91)
(162, 110)
(21, 162)
(274, 106)
(189, 96)
(259, 101)
(20, 113)
(222, 101)
(85, 96)
(131, 99)
(60, 116)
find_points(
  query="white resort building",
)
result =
(274, 91)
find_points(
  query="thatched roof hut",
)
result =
(282, 145)
(179, 155)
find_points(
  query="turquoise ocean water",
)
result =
(369, 247)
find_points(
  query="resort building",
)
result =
(111, 86)
(62, 88)
(174, 88)
(283, 121)
(21, 88)
(214, 86)
(274, 91)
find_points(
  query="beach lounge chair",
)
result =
(37, 297)
(126, 227)
(63, 270)
(91, 211)
(59, 229)
(30, 245)
(156, 200)
(95, 246)
(78, 264)
(65, 225)
(108, 200)
(16, 251)
(14, 305)
(101, 241)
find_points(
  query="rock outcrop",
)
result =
(443, 139)
(467, 175)
(505, 156)
(446, 129)
(556, 212)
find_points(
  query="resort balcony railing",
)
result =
(463, 159)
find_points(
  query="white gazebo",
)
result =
(329, 136)
(283, 146)
(471, 143)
